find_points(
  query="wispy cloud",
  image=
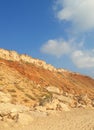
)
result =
(58, 47)
(83, 59)
(79, 12)
(79, 15)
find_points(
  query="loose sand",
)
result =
(77, 119)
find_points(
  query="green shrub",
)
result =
(45, 99)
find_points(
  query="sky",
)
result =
(61, 32)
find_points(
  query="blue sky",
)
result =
(61, 32)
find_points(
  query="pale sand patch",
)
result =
(77, 119)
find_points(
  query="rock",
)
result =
(0, 118)
(52, 105)
(57, 105)
(63, 99)
(8, 107)
(92, 103)
(5, 98)
(64, 107)
(11, 111)
(53, 89)
(40, 108)
(83, 101)
(74, 104)
(14, 56)
(14, 115)
(4, 115)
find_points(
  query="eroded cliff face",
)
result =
(32, 82)
(14, 56)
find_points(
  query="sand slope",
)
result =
(78, 119)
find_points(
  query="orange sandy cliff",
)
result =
(27, 81)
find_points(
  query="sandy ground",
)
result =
(78, 119)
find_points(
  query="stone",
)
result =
(53, 89)
(40, 108)
(5, 98)
(64, 107)
(64, 99)
(52, 105)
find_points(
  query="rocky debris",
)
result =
(57, 105)
(60, 102)
(39, 108)
(64, 99)
(63, 102)
(82, 101)
(75, 101)
(4, 116)
(11, 111)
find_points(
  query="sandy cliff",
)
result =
(31, 88)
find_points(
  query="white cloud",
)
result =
(83, 59)
(79, 12)
(57, 47)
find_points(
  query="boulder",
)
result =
(64, 107)
(63, 99)
(11, 111)
(57, 105)
(83, 101)
(53, 89)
